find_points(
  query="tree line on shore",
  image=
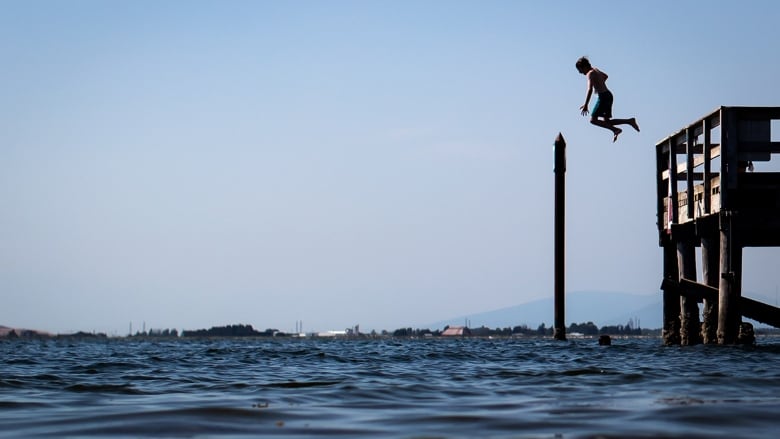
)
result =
(241, 330)
(588, 329)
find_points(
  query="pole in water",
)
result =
(559, 330)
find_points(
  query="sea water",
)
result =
(405, 388)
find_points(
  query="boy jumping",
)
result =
(597, 80)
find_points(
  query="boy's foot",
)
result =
(633, 123)
(617, 132)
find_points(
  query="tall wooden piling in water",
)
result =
(710, 200)
(710, 268)
(730, 291)
(671, 298)
(689, 309)
(559, 328)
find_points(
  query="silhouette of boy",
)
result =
(597, 80)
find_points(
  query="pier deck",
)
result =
(713, 195)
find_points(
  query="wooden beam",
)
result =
(752, 309)
(765, 147)
(709, 153)
(690, 289)
(729, 156)
(756, 113)
(760, 312)
(683, 176)
(698, 160)
(662, 190)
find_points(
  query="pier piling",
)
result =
(690, 328)
(729, 317)
(671, 298)
(559, 328)
(710, 268)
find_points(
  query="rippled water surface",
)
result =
(512, 388)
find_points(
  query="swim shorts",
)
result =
(603, 106)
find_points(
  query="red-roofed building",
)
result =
(456, 331)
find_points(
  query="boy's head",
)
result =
(583, 65)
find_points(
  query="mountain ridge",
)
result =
(601, 308)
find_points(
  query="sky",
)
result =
(188, 164)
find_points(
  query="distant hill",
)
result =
(601, 308)
(5, 331)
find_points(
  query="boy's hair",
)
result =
(583, 64)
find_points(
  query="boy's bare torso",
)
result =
(597, 79)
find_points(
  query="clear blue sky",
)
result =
(383, 163)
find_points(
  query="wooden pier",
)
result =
(710, 197)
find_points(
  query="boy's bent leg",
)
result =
(631, 122)
(608, 124)
(617, 132)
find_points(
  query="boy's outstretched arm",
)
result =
(584, 107)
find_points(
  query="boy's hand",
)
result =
(584, 110)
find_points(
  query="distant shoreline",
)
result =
(30, 335)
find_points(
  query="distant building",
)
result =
(456, 331)
(332, 334)
(349, 332)
(482, 331)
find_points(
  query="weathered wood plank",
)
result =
(755, 113)
(698, 160)
(750, 308)
(765, 147)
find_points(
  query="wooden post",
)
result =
(559, 330)
(690, 328)
(689, 184)
(707, 175)
(671, 332)
(710, 266)
(730, 290)
(674, 209)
